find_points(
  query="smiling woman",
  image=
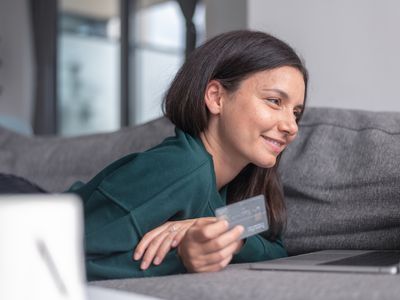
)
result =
(235, 104)
(255, 122)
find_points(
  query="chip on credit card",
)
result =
(250, 213)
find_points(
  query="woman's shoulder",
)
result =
(175, 158)
(182, 151)
(182, 147)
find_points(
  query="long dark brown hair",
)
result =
(230, 58)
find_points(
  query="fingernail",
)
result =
(174, 243)
(144, 265)
(136, 256)
(156, 260)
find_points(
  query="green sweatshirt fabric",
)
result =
(172, 181)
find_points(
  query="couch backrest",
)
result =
(341, 175)
(54, 163)
(342, 181)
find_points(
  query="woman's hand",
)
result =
(208, 246)
(158, 242)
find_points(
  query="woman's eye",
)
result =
(297, 114)
(275, 101)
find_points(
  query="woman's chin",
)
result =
(266, 164)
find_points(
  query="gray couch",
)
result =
(342, 185)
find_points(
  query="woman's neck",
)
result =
(225, 168)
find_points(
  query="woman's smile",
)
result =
(277, 146)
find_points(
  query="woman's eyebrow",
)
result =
(283, 94)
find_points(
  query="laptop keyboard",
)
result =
(376, 258)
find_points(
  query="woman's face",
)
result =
(258, 120)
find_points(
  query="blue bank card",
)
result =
(250, 213)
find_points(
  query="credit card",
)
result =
(250, 213)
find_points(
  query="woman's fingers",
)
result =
(227, 245)
(213, 254)
(147, 239)
(205, 230)
(164, 248)
(220, 255)
(164, 237)
(178, 237)
(151, 235)
(159, 241)
(171, 242)
(223, 240)
(216, 266)
(239, 245)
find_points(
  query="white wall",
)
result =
(16, 70)
(225, 15)
(351, 47)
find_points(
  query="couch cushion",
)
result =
(342, 181)
(54, 163)
(238, 282)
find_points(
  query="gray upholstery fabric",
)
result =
(341, 175)
(238, 282)
(342, 181)
(54, 163)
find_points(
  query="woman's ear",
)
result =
(213, 97)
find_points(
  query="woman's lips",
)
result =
(277, 146)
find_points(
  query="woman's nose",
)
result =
(288, 123)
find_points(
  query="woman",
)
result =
(235, 103)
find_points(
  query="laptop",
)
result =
(41, 250)
(353, 261)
